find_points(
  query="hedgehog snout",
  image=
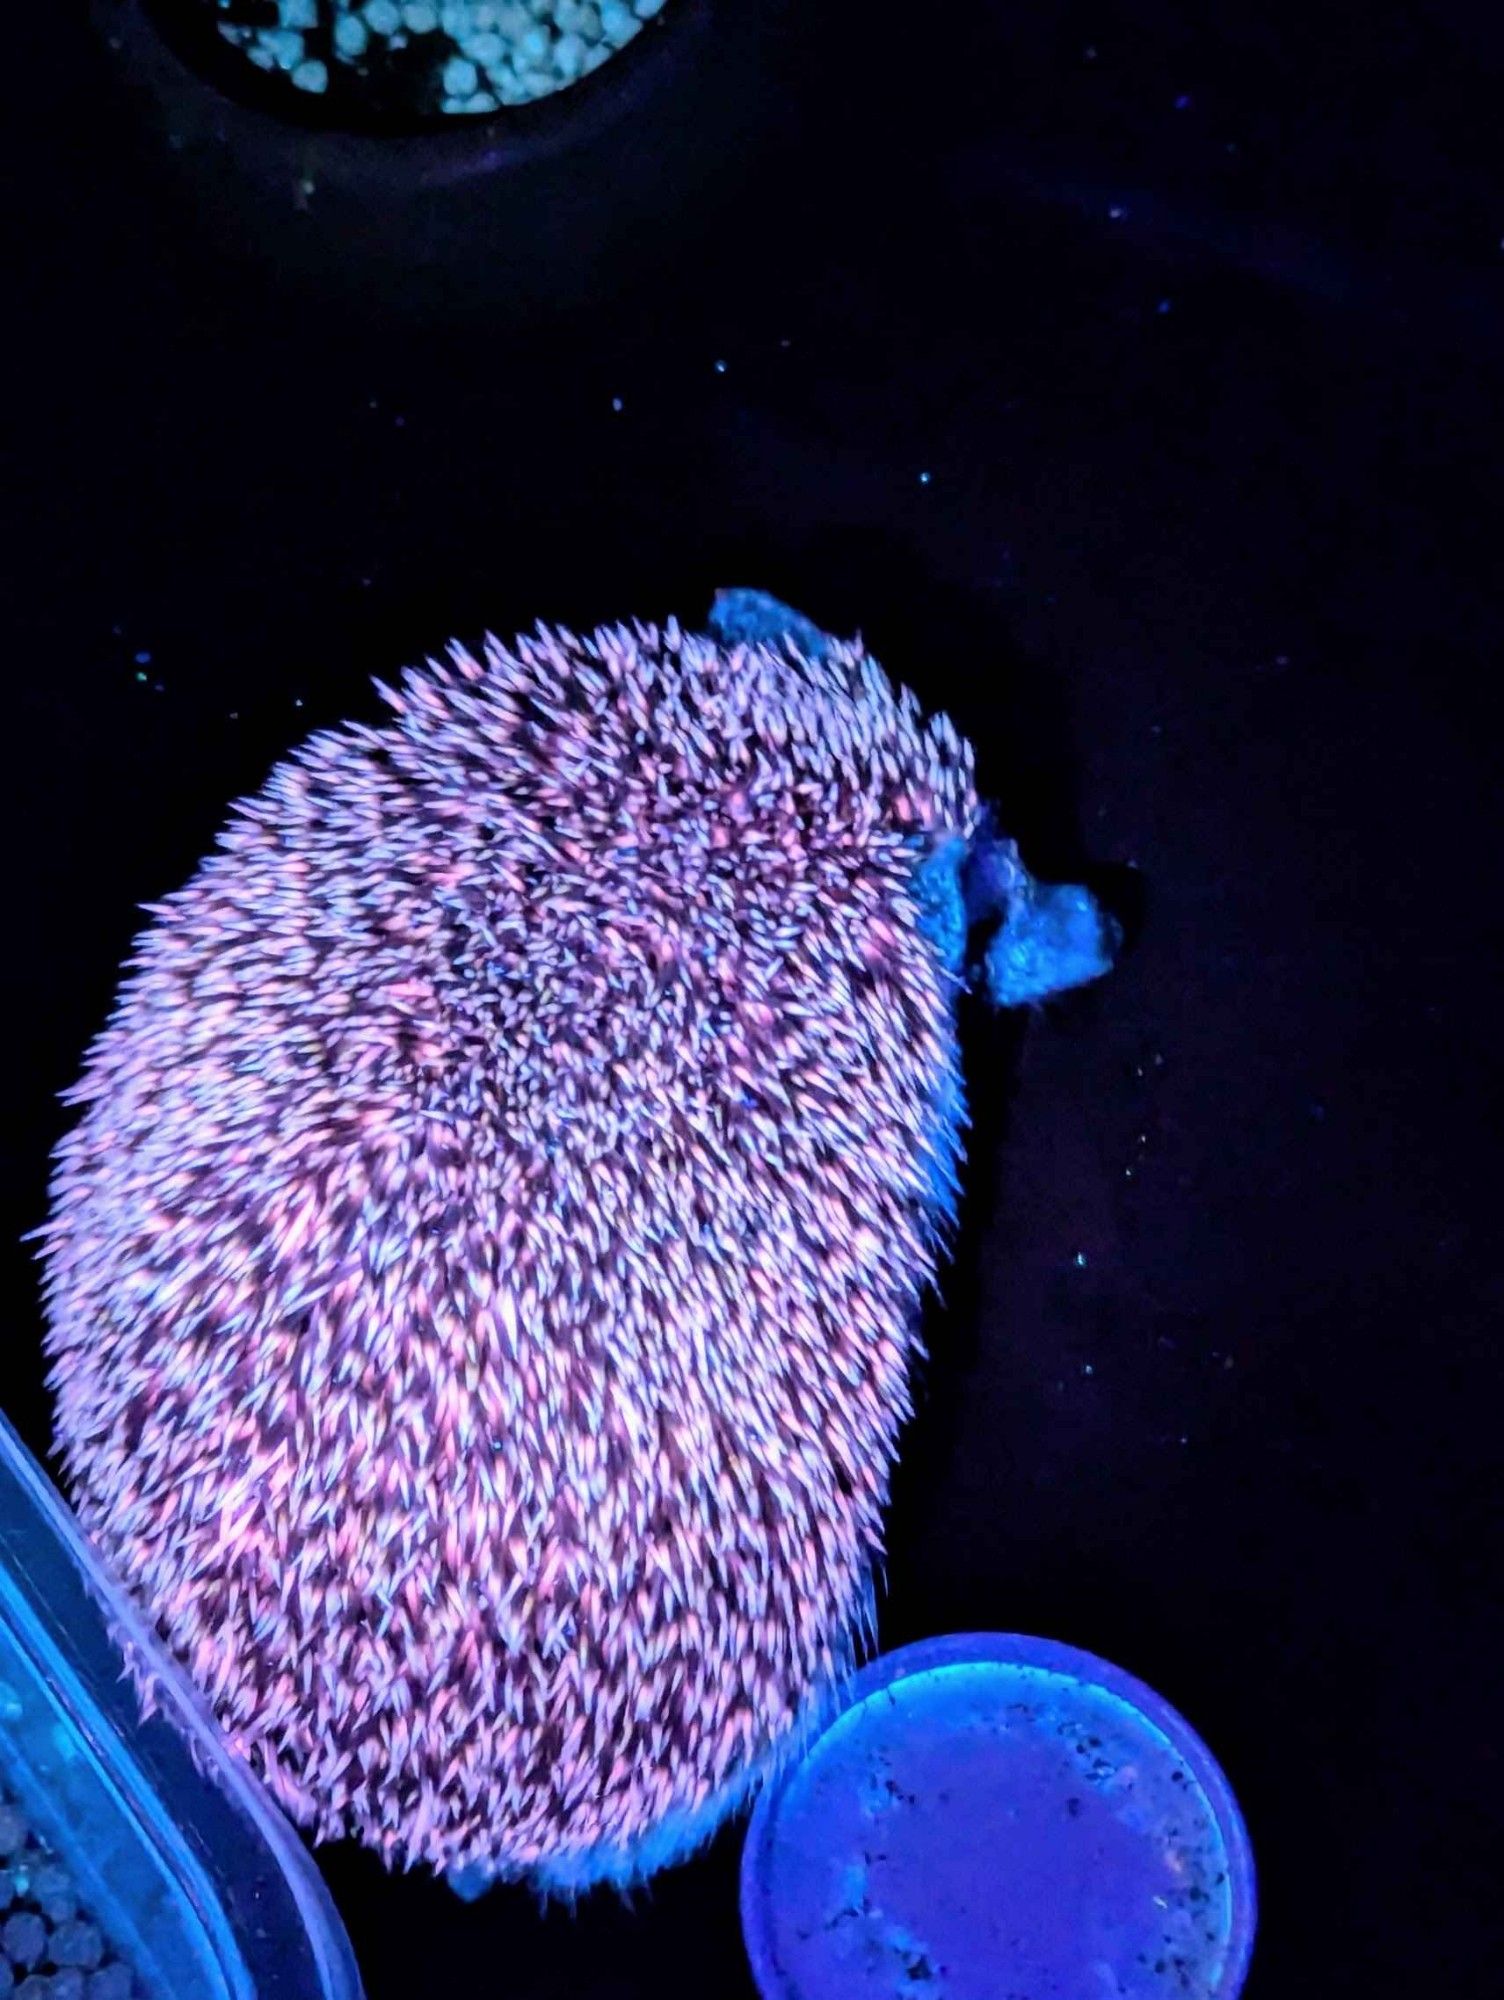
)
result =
(1026, 939)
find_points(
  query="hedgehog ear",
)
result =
(993, 876)
(469, 1883)
(753, 618)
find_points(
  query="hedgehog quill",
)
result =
(483, 1278)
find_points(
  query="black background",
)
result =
(1206, 565)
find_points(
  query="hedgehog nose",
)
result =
(1055, 936)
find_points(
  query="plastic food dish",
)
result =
(482, 219)
(171, 1862)
(992, 1817)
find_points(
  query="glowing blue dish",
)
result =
(183, 1867)
(990, 1816)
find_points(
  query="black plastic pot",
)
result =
(527, 209)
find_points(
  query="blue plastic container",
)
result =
(987, 1816)
(179, 1857)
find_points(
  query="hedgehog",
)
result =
(482, 1283)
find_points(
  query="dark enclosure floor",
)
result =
(1130, 375)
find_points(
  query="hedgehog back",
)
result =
(482, 1280)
